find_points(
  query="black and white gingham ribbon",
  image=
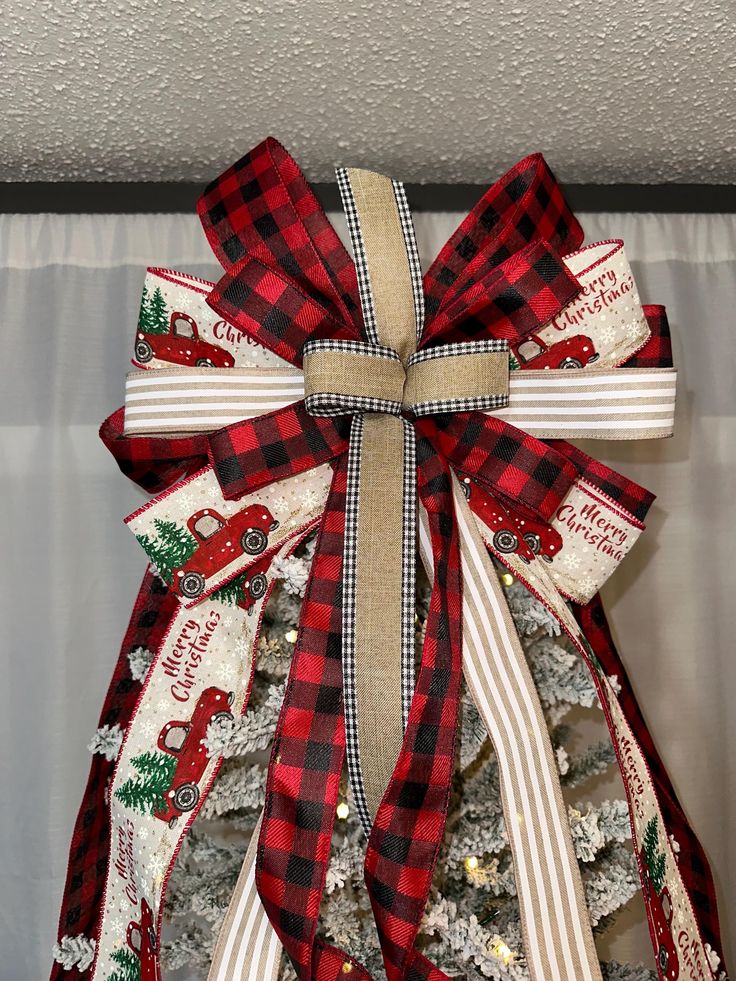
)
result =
(361, 265)
(333, 404)
(408, 549)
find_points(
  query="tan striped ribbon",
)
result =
(595, 403)
(189, 400)
(555, 922)
(620, 403)
(247, 947)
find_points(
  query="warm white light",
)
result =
(291, 636)
(507, 579)
(471, 863)
(502, 951)
(342, 810)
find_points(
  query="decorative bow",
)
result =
(395, 401)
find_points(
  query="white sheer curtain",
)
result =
(69, 290)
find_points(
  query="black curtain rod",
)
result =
(151, 198)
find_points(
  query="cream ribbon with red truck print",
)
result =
(202, 672)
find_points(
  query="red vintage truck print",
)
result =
(183, 740)
(220, 542)
(574, 352)
(181, 345)
(256, 583)
(660, 906)
(510, 532)
(141, 938)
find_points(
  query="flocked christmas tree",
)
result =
(471, 928)
(146, 791)
(153, 316)
(169, 549)
(129, 967)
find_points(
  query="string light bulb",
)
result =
(507, 579)
(471, 863)
(502, 951)
(342, 810)
(291, 636)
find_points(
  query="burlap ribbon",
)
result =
(401, 403)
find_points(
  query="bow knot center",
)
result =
(344, 377)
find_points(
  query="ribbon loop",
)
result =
(342, 377)
(458, 377)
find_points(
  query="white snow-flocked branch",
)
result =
(594, 760)
(561, 675)
(613, 971)
(529, 614)
(192, 948)
(594, 828)
(611, 884)
(77, 951)
(140, 660)
(251, 732)
(473, 733)
(346, 864)
(107, 741)
(470, 941)
(293, 571)
(235, 789)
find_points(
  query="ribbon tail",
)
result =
(247, 947)
(409, 825)
(554, 915)
(203, 670)
(90, 846)
(648, 812)
(378, 602)
(308, 752)
(696, 872)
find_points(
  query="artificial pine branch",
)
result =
(476, 902)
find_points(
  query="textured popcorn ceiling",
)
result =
(452, 90)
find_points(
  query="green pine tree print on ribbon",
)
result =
(169, 549)
(233, 593)
(130, 966)
(154, 316)
(147, 792)
(653, 856)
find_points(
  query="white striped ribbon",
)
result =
(247, 947)
(168, 400)
(598, 403)
(558, 939)
(620, 403)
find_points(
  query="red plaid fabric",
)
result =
(509, 301)
(153, 462)
(256, 452)
(410, 822)
(263, 206)
(692, 860)
(273, 310)
(90, 847)
(308, 753)
(657, 352)
(506, 461)
(630, 496)
(526, 204)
